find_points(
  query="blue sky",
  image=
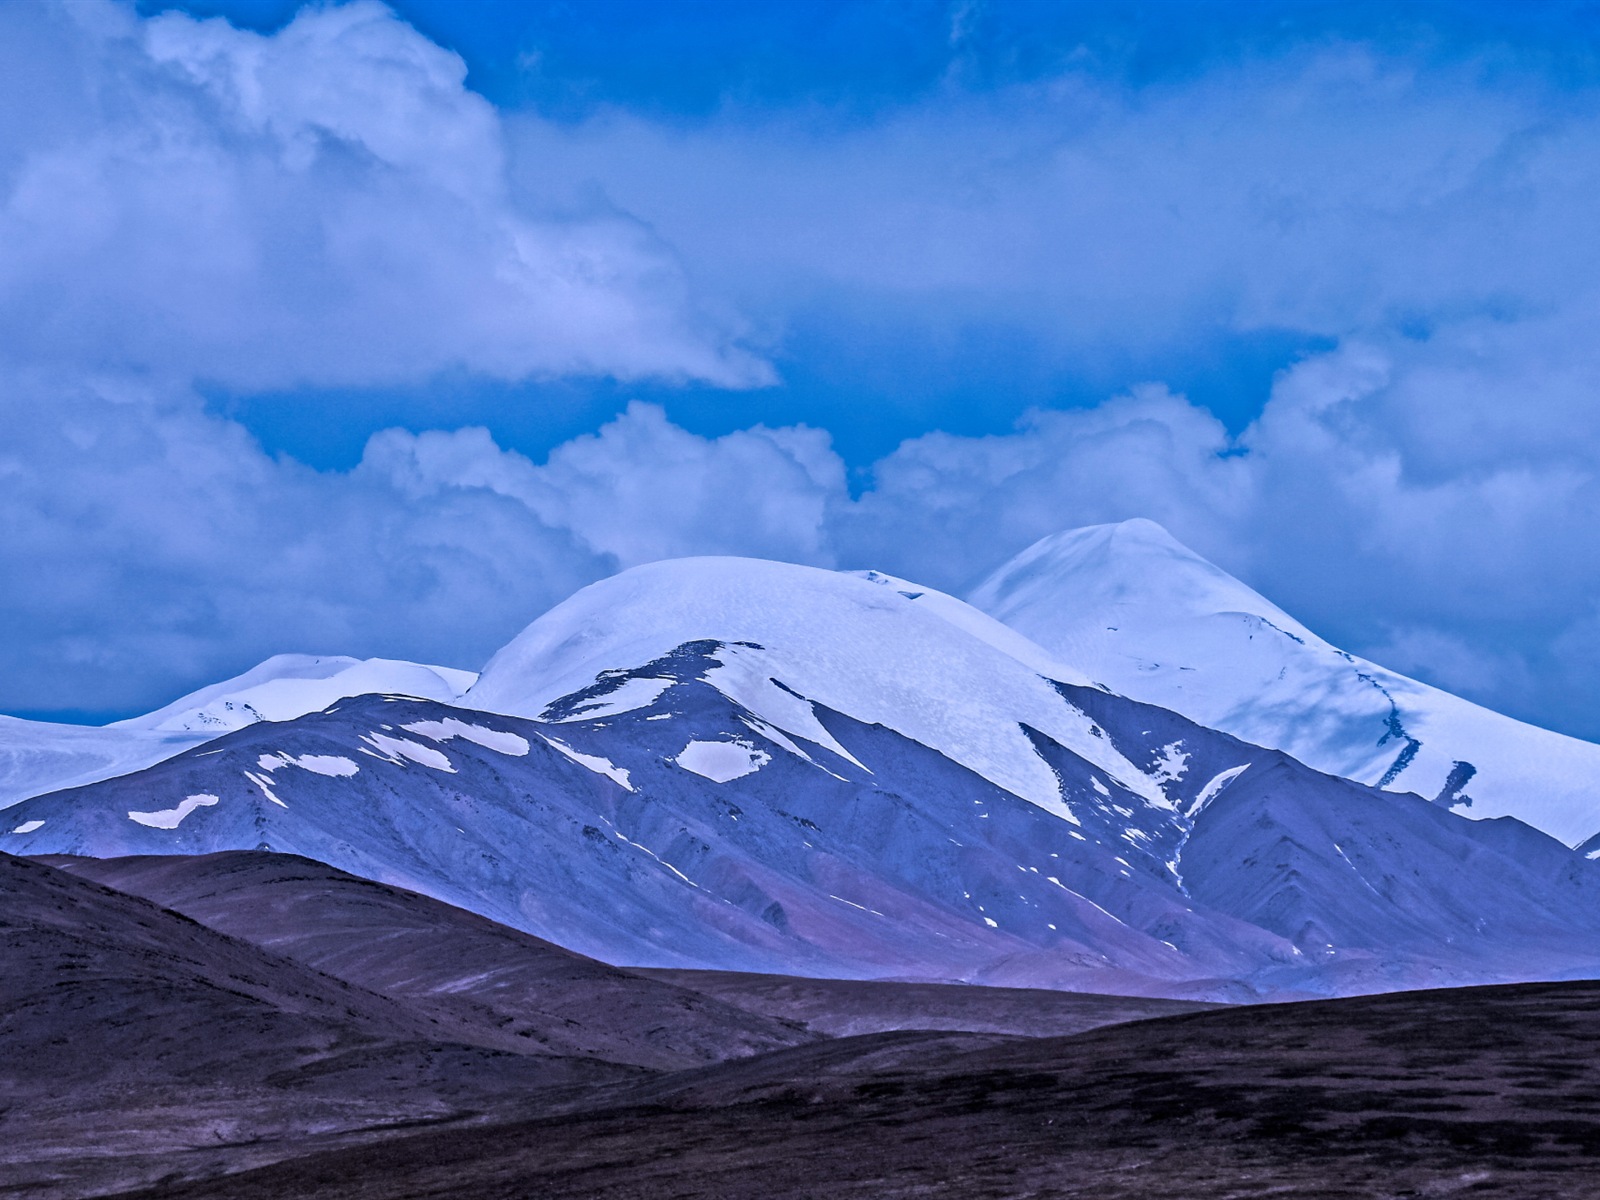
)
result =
(377, 330)
(848, 65)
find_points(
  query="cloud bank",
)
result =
(325, 205)
(187, 206)
(1330, 189)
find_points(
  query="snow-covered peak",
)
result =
(1148, 618)
(879, 650)
(287, 686)
(1131, 568)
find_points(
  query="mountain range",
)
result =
(1100, 784)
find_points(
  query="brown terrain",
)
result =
(253, 1026)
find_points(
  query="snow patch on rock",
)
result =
(1171, 763)
(594, 762)
(335, 766)
(264, 782)
(497, 740)
(722, 761)
(394, 749)
(640, 691)
(171, 818)
(1213, 789)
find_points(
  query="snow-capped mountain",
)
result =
(1136, 611)
(745, 765)
(42, 756)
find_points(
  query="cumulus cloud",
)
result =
(642, 488)
(150, 545)
(185, 203)
(327, 204)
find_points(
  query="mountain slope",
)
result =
(591, 834)
(42, 756)
(837, 640)
(1138, 612)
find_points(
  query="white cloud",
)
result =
(185, 203)
(149, 546)
(1331, 189)
(642, 489)
(327, 205)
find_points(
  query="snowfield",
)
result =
(287, 686)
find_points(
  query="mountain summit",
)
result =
(1137, 611)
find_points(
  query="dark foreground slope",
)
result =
(850, 1007)
(513, 990)
(299, 1007)
(135, 1043)
(1472, 1092)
